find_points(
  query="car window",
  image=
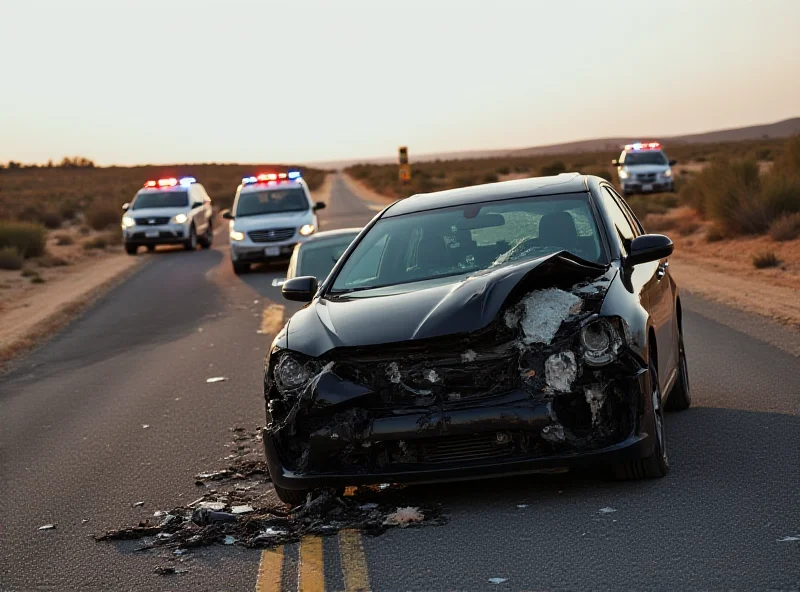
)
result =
(271, 201)
(161, 199)
(317, 258)
(468, 238)
(622, 226)
(634, 221)
(652, 157)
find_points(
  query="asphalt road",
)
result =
(73, 447)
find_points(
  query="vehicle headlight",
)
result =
(667, 173)
(307, 229)
(290, 373)
(623, 174)
(236, 235)
(601, 342)
(127, 222)
(180, 219)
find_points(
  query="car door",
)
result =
(197, 203)
(648, 280)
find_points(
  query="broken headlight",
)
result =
(601, 342)
(292, 372)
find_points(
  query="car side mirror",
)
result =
(227, 214)
(673, 162)
(320, 205)
(648, 247)
(126, 206)
(615, 162)
(300, 289)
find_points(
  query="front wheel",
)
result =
(657, 464)
(681, 396)
(293, 497)
(131, 249)
(191, 243)
(207, 238)
(240, 268)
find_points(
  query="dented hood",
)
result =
(460, 306)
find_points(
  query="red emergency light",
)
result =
(643, 146)
(171, 182)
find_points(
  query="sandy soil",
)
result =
(31, 308)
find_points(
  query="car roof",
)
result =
(293, 184)
(331, 234)
(557, 184)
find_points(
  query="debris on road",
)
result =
(497, 580)
(244, 509)
(791, 538)
(137, 504)
(229, 540)
(403, 517)
(214, 379)
(169, 570)
(145, 426)
(606, 510)
(522, 506)
(47, 527)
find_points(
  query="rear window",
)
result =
(161, 199)
(317, 258)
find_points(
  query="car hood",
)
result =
(642, 169)
(156, 212)
(284, 220)
(461, 306)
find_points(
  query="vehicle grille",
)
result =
(151, 221)
(646, 177)
(271, 235)
(462, 449)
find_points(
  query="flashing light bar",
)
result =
(171, 182)
(186, 181)
(272, 178)
(643, 146)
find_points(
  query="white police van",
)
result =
(643, 168)
(272, 212)
(168, 212)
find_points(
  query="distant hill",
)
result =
(780, 129)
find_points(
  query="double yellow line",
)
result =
(311, 569)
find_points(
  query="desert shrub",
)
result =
(687, 227)
(49, 218)
(102, 216)
(63, 240)
(490, 178)
(37, 279)
(85, 230)
(50, 260)
(602, 173)
(766, 259)
(96, 242)
(554, 168)
(67, 210)
(28, 239)
(10, 258)
(503, 170)
(658, 223)
(714, 234)
(29, 273)
(465, 180)
(787, 162)
(785, 228)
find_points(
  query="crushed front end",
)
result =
(549, 384)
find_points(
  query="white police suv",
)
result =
(643, 168)
(271, 213)
(168, 212)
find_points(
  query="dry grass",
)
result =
(785, 228)
(10, 258)
(765, 260)
(28, 239)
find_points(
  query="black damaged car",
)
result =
(517, 327)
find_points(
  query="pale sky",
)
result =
(298, 81)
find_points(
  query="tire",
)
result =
(151, 248)
(293, 497)
(656, 465)
(207, 238)
(131, 249)
(240, 268)
(680, 397)
(191, 243)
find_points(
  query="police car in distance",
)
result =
(643, 168)
(272, 212)
(168, 212)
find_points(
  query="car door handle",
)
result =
(662, 269)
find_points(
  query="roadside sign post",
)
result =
(404, 171)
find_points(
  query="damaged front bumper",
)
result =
(505, 435)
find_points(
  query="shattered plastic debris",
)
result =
(215, 506)
(244, 509)
(214, 379)
(791, 538)
(595, 398)
(545, 310)
(431, 376)
(404, 516)
(137, 504)
(497, 580)
(553, 432)
(159, 514)
(522, 506)
(229, 540)
(393, 373)
(469, 356)
(145, 426)
(214, 475)
(47, 527)
(169, 570)
(607, 510)
(561, 370)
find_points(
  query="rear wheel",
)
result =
(293, 497)
(131, 249)
(190, 244)
(240, 268)
(656, 465)
(207, 238)
(681, 396)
